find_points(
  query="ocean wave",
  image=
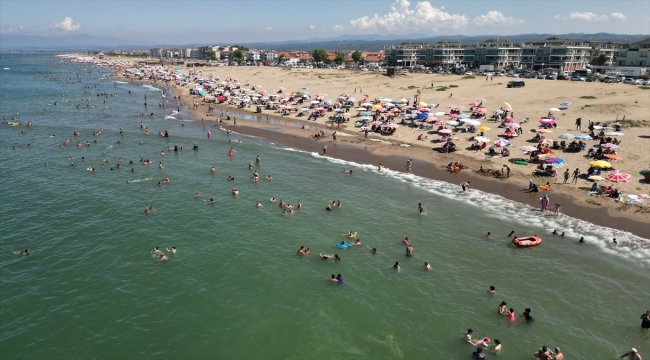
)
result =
(152, 88)
(121, 82)
(630, 246)
(169, 117)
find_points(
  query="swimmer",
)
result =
(427, 266)
(338, 203)
(325, 256)
(336, 258)
(562, 235)
(582, 240)
(284, 212)
(302, 251)
(420, 208)
(47, 165)
(282, 203)
(468, 336)
(273, 200)
(133, 170)
(465, 185)
(146, 211)
(299, 206)
(348, 171)
(155, 250)
(333, 279)
(512, 232)
(26, 252)
(379, 167)
(492, 290)
(409, 251)
(328, 207)
(502, 308)
(211, 201)
(374, 250)
(197, 195)
(406, 240)
(162, 153)
(163, 257)
(351, 235)
(357, 242)
(231, 178)
(269, 177)
(306, 251)
(213, 170)
(235, 191)
(555, 232)
(259, 205)
(258, 160)
(173, 250)
(151, 207)
(339, 279)
(489, 235)
(497, 348)
(614, 242)
(511, 315)
(396, 265)
(160, 165)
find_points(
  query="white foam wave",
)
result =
(121, 82)
(630, 246)
(174, 112)
(152, 88)
(169, 117)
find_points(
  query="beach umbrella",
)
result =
(513, 126)
(546, 141)
(566, 103)
(617, 176)
(614, 134)
(421, 116)
(553, 109)
(501, 142)
(595, 178)
(402, 100)
(439, 123)
(439, 113)
(481, 110)
(444, 131)
(547, 150)
(453, 123)
(600, 164)
(463, 116)
(471, 122)
(544, 131)
(527, 148)
(557, 161)
(378, 106)
(547, 121)
(498, 111)
(509, 119)
(474, 103)
(583, 137)
(483, 128)
(511, 134)
(422, 103)
(508, 105)
(566, 136)
(366, 113)
(482, 139)
(609, 146)
(376, 123)
(453, 115)
(613, 157)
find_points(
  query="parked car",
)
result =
(645, 82)
(516, 84)
(541, 76)
(513, 75)
(469, 73)
(577, 78)
(632, 81)
(550, 77)
(562, 77)
(592, 79)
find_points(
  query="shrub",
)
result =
(644, 87)
(411, 87)
(442, 88)
(469, 77)
(587, 97)
(453, 86)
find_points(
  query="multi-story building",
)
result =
(191, 53)
(634, 54)
(268, 55)
(253, 55)
(555, 52)
(155, 53)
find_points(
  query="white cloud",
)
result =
(312, 27)
(618, 16)
(556, 17)
(67, 25)
(495, 18)
(587, 16)
(401, 18)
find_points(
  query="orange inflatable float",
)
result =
(527, 241)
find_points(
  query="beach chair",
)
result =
(556, 145)
(563, 144)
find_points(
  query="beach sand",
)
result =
(611, 101)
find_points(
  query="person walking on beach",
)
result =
(409, 163)
(576, 173)
(324, 150)
(558, 210)
(465, 186)
(578, 124)
(507, 170)
(334, 136)
(566, 176)
(365, 134)
(544, 202)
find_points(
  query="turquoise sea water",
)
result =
(236, 288)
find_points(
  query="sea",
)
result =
(236, 288)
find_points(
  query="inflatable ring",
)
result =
(342, 245)
(527, 241)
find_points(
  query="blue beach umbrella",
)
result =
(366, 114)
(566, 103)
(463, 116)
(453, 123)
(583, 137)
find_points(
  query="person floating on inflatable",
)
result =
(351, 235)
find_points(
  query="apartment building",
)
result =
(634, 54)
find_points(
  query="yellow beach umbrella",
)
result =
(378, 106)
(600, 164)
(508, 105)
(422, 103)
(402, 100)
(483, 128)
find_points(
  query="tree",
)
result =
(356, 57)
(340, 58)
(238, 55)
(280, 58)
(240, 47)
(600, 60)
(213, 55)
(319, 55)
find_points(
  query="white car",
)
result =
(645, 82)
(633, 81)
(469, 73)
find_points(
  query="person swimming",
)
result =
(512, 232)
(301, 251)
(328, 207)
(526, 315)
(374, 250)
(339, 279)
(155, 250)
(333, 279)
(25, 252)
(492, 290)
(427, 266)
(163, 257)
(325, 256)
(396, 265)
(259, 205)
(420, 208)
(350, 235)
(511, 315)
(235, 191)
(406, 240)
(273, 200)
(357, 242)
(409, 251)
(197, 195)
(173, 250)
(502, 308)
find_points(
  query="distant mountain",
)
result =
(86, 42)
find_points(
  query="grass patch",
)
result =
(453, 86)
(587, 97)
(469, 77)
(644, 87)
(499, 83)
(411, 87)
(634, 123)
(442, 88)
(286, 68)
(587, 105)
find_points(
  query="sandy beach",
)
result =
(605, 103)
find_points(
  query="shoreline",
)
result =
(394, 156)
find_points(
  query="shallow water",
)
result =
(236, 289)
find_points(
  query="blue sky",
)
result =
(219, 22)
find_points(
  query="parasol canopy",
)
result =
(617, 176)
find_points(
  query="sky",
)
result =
(221, 22)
